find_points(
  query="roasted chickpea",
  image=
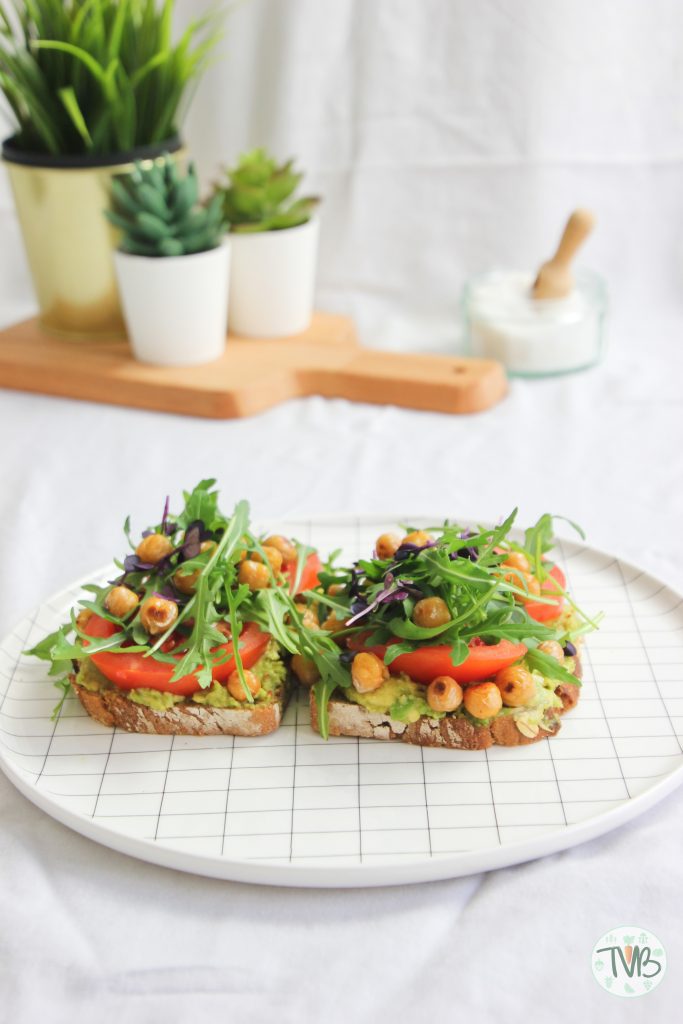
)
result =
(235, 687)
(273, 556)
(368, 672)
(157, 614)
(187, 582)
(553, 648)
(305, 670)
(153, 548)
(444, 694)
(387, 544)
(309, 614)
(332, 624)
(335, 589)
(83, 618)
(431, 612)
(418, 537)
(483, 700)
(516, 685)
(531, 584)
(517, 560)
(121, 601)
(524, 581)
(255, 574)
(284, 546)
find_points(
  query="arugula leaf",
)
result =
(322, 691)
(395, 650)
(539, 539)
(201, 503)
(65, 686)
(549, 667)
(459, 652)
(44, 648)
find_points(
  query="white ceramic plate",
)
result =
(291, 809)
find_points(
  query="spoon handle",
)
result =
(578, 227)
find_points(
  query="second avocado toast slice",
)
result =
(451, 636)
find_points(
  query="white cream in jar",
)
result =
(533, 337)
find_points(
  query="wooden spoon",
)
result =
(555, 280)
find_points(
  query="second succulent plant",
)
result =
(259, 195)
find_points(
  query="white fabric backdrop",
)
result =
(445, 136)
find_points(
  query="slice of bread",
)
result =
(111, 707)
(458, 733)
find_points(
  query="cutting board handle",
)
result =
(430, 382)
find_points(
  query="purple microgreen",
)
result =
(394, 589)
(191, 546)
(408, 549)
(470, 553)
(164, 515)
(466, 552)
(132, 563)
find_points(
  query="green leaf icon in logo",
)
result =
(598, 965)
(608, 981)
(627, 988)
(648, 985)
(629, 939)
(657, 952)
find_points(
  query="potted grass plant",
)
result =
(274, 240)
(172, 265)
(93, 85)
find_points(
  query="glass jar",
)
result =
(534, 337)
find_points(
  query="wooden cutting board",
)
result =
(252, 375)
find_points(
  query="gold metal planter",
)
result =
(69, 243)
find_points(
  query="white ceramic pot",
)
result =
(175, 307)
(272, 281)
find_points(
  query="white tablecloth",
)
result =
(86, 932)
(445, 136)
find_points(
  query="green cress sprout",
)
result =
(258, 195)
(156, 208)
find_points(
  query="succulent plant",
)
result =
(158, 211)
(258, 195)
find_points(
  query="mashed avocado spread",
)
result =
(402, 699)
(270, 671)
(399, 697)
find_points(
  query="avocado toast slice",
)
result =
(206, 713)
(456, 730)
(450, 636)
(193, 636)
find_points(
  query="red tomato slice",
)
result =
(547, 612)
(133, 671)
(427, 663)
(309, 573)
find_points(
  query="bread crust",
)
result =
(349, 719)
(112, 708)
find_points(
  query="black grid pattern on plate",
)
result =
(290, 797)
